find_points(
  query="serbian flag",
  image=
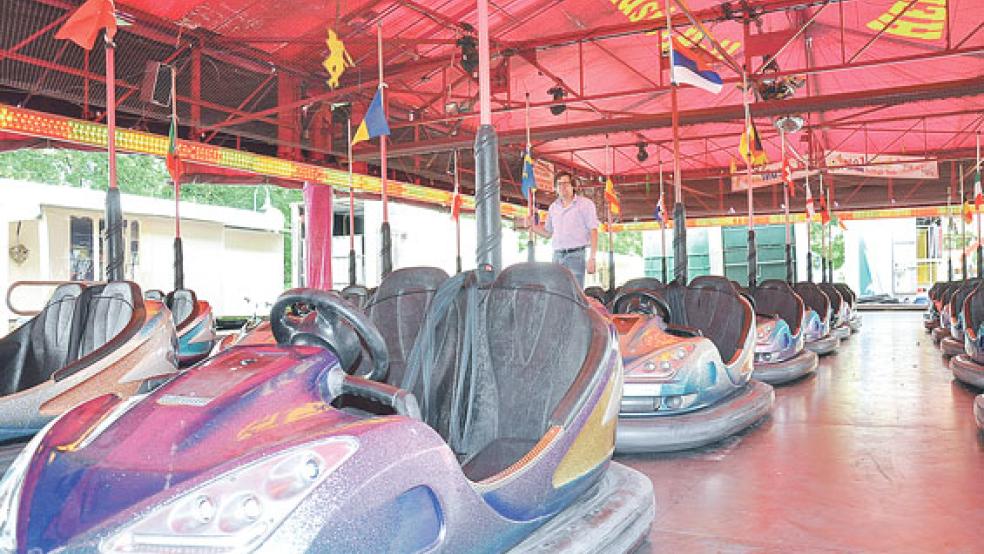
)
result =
(787, 177)
(612, 198)
(810, 211)
(84, 25)
(689, 66)
(374, 123)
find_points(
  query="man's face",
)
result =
(565, 187)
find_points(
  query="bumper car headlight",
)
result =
(763, 333)
(239, 509)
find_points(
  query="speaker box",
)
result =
(156, 87)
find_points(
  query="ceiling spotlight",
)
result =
(558, 95)
(469, 53)
(789, 123)
(642, 155)
(451, 107)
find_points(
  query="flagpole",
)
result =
(663, 215)
(114, 213)
(977, 190)
(963, 225)
(789, 246)
(457, 220)
(530, 205)
(809, 223)
(680, 270)
(178, 246)
(750, 142)
(387, 241)
(611, 236)
(487, 183)
(351, 272)
(823, 234)
(830, 238)
(949, 227)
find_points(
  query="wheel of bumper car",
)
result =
(979, 411)
(967, 371)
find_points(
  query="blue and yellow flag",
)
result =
(374, 123)
(529, 180)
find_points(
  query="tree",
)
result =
(836, 246)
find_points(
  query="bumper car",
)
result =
(839, 326)
(953, 345)
(687, 352)
(853, 315)
(931, 318)
(780, 356)
(356, 294)
(88, 340)
(598, 293)
(968, 367)
(816, 319)
(194, 323)
(979, 411)
(943, 330)
(498, 435)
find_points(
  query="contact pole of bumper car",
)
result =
(609, 161)
(789, 246)
(487, 209)
(387, 240)
(114, 213)
(830, 239)
(662, 222)
(963, 225)
(531, 199)
(178, 246)
(977, 190)
(457, 220)
(949, 226)
(752, 254)
(680, 271)
(351, 270)
(809, 225)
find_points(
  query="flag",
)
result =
(84, 25)
(824, 212)
(690, 66)
(456, 206)
(529, 180)
(968, 212)
(754, 153)
(839, 222)
(810, 211)
(660, 210)
(978, 196)
(612, 198)
(174, 165)
(374, 123)
(787, 177)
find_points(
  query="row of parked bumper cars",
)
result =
(194, 323)
(931, 317)
(492, 428)
(688, 380)
(818, 314)
(953, 344)
(968, 367)
(942, 330)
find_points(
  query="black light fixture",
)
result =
(469, 53)
(341, 112)
(642, 155)
(558, 94)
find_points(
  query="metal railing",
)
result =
(17, 284)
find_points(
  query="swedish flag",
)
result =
(374, 123)
(529, 180)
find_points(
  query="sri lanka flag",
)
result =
(374, 123)
(689, 66)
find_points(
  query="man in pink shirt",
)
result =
(572, 226)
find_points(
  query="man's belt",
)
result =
(566, 251)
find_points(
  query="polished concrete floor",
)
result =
(878, 452)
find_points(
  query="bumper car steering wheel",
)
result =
(332, 323)
(641, 302)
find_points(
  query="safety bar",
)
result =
(16, 284)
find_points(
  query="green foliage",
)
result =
(141, 175)
(817, 232)
(626, 242)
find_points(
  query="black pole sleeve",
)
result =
(487, 208)
(179, 275)
(351, 266)
(114, 236)
(387, 251)
(752, 261)
(680, 270)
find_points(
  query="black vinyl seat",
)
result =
(776, 298)
(598, 293)
(973, 311)
(959, 296)
(814, 298)
(836, 299)
(847, 293)
(183, 304)
(357, 295)
(712, 305)
(398, 308)
(642, 283)
(154, 294)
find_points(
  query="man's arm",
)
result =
(594, 249)
(541, 230)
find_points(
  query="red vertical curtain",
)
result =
(317, 240)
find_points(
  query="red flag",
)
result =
(84, 25)
(787, 177)
(455, 206)
(824, 212)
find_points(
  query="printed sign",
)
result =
(881, 165)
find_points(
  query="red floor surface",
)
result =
(878, 452)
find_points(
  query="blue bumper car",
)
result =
(688, 354)
(780, 356)
(968, 367)
(816, 319)
(494, 432)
